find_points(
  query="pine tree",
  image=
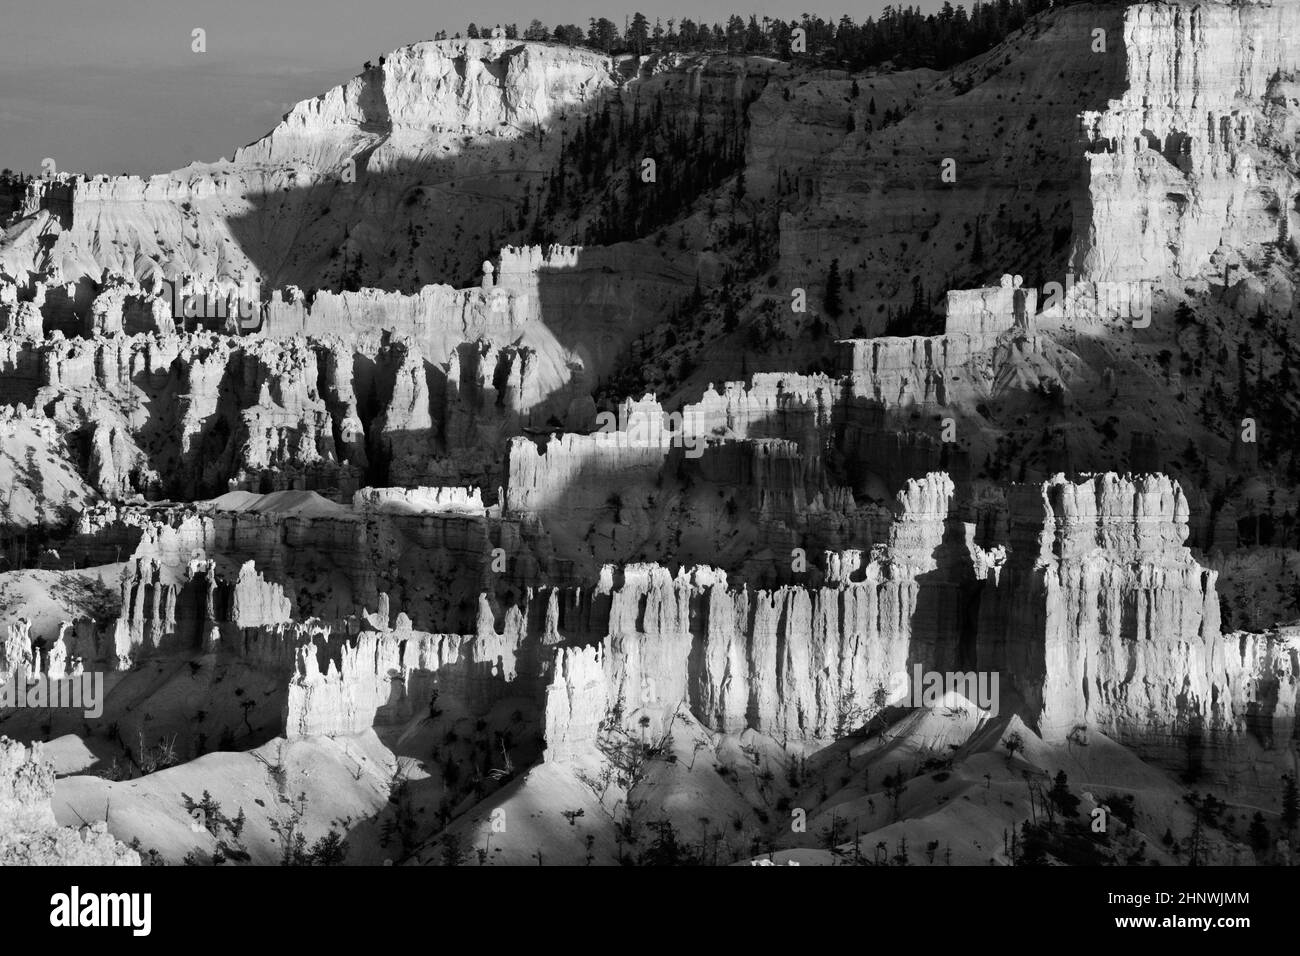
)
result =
(1259, 837)
(638, 34)
(731, 317)
(831, 300)
(1061, 796)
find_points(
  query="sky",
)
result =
(113, 86)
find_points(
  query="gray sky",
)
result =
(112, 85)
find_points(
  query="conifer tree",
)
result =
(831, 300)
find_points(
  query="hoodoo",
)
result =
(913, 455)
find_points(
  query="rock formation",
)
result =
(425, 414)
(1187, 144)
(29, 834)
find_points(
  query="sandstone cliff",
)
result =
(1181, 163)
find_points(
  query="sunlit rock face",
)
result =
(1192, 155)
(1096, 582)
(1091, 612)
(499, 88)
(1102, 619)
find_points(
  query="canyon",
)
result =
(360, 470)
